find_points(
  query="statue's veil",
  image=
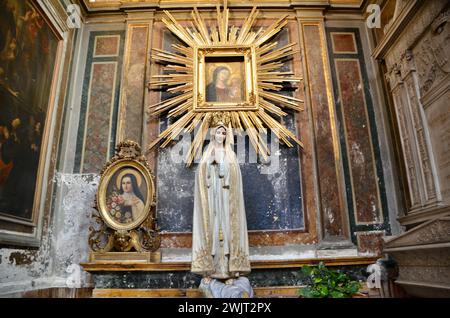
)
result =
(202, 261)
(229, 142)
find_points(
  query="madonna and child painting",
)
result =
(225, 82)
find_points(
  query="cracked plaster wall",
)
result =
(64, 241)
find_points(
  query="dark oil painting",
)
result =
(225, 80)
(28, 49)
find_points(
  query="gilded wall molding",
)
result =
(136, 68)
(113, 5)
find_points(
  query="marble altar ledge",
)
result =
(263, 292)
(259, 264)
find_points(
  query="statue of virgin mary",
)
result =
(220, 240)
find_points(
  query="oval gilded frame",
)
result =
(103, 188)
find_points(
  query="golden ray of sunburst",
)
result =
(179, 80)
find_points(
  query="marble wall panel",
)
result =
(358, 141)
(363, 172)
(107, 45)
(327, 152)
(134, 86)
(96, 135)
(101, 100)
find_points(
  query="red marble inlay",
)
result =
(343, 42)
(256, 238)
(370, 242)
(99, 112)
(107, 45)
(359, 147)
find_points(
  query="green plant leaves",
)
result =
(326, 283)
(336, 294)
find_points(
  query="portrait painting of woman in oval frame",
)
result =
(125, 195)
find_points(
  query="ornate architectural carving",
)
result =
(427, 68)
(419, 127)
(432, 232)
(407, 64)
(393, 76)
(412, 74)
(440, 37)
(425, 274)
(400, 101)
(432, 54)
(422, 256)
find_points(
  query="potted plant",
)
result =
(326, 283)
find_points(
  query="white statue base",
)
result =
(240, 288)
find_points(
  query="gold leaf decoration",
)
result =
(180, 72)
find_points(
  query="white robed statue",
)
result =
(220, 241)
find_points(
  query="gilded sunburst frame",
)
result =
(185, 76)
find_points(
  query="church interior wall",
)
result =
(88, 139)
(414, 46)
(417, 77)
(105, 68)
(26, 268)
(383, 132)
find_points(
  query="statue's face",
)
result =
(126, 185)
(220, 135)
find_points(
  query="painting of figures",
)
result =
(127, 195)
(225, 80)
(28, 49)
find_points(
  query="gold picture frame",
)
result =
(125, 203)
(110, 181)
(23, 224)
(248, 99)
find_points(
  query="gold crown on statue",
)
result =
(219, 119)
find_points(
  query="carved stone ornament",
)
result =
(125, 204)
(441, 40)
(407, 63)
(422, 258)
(432, 58)
(432, 232)
(394, 76)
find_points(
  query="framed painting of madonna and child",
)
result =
(225, 79)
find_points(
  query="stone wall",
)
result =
(106, 101)
(415, 48)
(418, 79)
(26, 261)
